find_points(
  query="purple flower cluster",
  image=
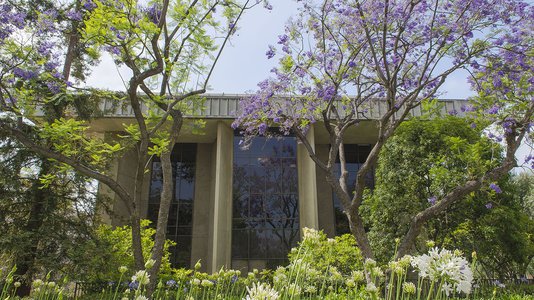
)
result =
(24, 74)
(154, 13)
(356, 57)
(10, 20)
(495, 188)
(271, 52)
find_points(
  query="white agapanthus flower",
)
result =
(149, 263)
(371, 288)
(141, 297)
(311, 234)
(261, 291)
(445, 265)
(142, 277)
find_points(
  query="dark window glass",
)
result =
(180, 223)
(355, 156)
(265, 202)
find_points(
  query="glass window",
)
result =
(265, 202)
(180, 223)
(355, 156)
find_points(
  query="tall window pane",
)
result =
(180, 223)
(265, 202)
(355, 157)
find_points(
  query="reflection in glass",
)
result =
(265, 202)
(180, 222)
(355, 157)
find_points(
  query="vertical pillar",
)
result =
(108, 194)
(307, 184)
(222, 199)
(103, 190)
(201, 207)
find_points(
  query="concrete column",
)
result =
(201, 207)
(221, 232)
(108, 196)
(307, 185)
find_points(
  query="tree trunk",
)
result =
(43, 202)
(165, 201)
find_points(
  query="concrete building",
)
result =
(241, 208)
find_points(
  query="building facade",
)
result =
(238, 208)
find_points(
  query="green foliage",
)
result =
(323, 253)
(424, 161)
(99, 259)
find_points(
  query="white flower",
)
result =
(408, 287)
(196, 281)
(311, 234)
(371, 288)
(51, 284)
(447, 288)
(377, 272)
(141, 297)
(358, 276)
(206, 283)
(149, 263)
(444, 265)
(37, 283)
(369, 263)
(310, 289)
(350, 283)
(17, 284)
(261, 291)
(142, 277)
(294, 290)
(123, 269)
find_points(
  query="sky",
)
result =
(243, 63)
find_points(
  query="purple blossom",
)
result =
(467, 108)
(493, 110)
(352, 64)
(267, 5)
(496, 188)
(283, 39)
(74, 15)
(154, 13)
(24, 74)
(271, 52)
(507, 124)
(89, 5)
(171, 283)
(262, 129)
(432, 200)
(489, 205)
(53, 86)
(133, 285)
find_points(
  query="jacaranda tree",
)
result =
(339, 58)
(171, 49)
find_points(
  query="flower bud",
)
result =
(149, 263)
